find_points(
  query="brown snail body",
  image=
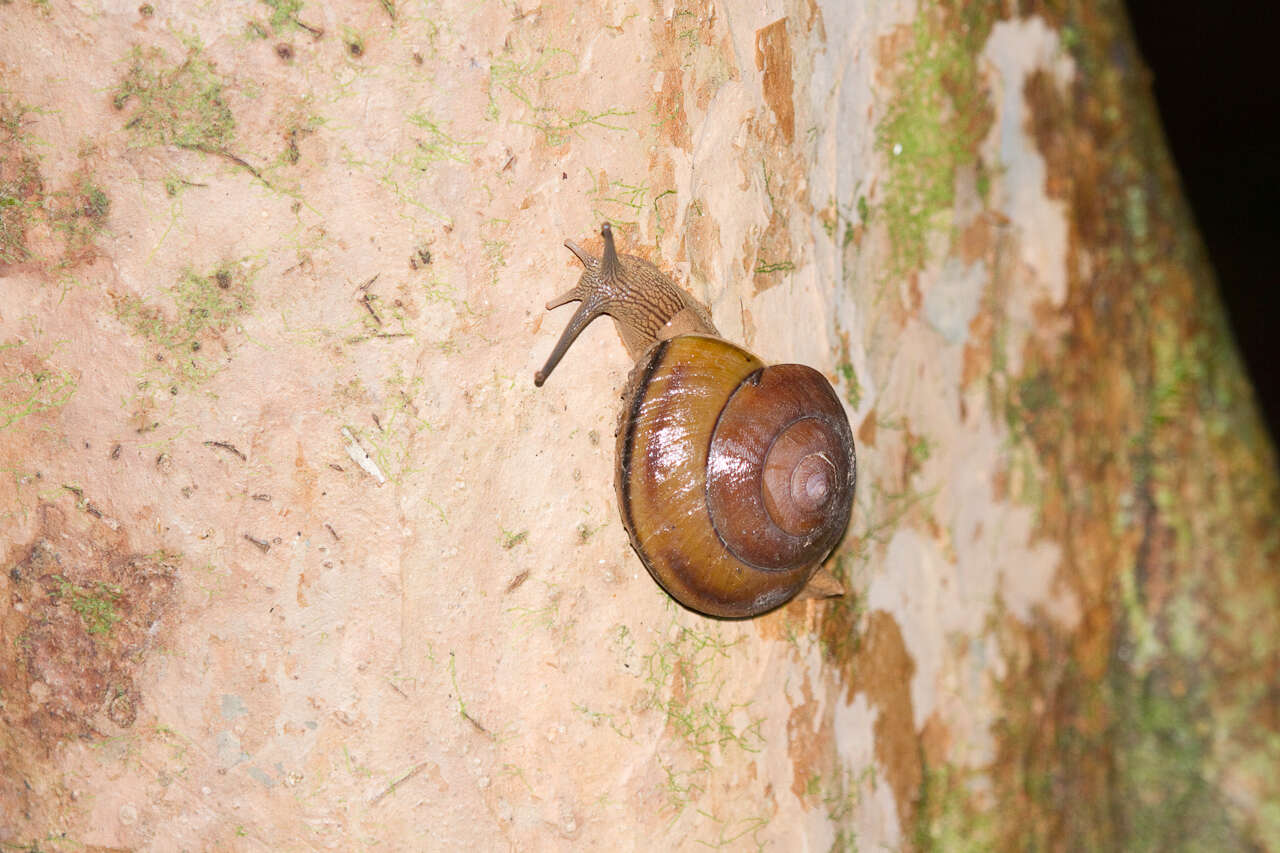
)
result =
(735, 479)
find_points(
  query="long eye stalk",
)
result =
(587, 311)
(608, 263)
(593, 301)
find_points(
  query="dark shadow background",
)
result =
(1215, 68)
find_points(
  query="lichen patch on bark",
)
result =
(83, 612)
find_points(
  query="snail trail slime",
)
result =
(735, 479)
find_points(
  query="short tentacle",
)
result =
(574, 294)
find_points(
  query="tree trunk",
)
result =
(296, 555)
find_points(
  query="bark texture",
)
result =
(296, 556)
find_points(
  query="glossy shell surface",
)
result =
(676, 397)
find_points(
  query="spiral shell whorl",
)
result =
(781, 464)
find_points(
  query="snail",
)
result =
(734, 479)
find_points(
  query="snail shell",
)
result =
(735, 479)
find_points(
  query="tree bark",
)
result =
(296, 556)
